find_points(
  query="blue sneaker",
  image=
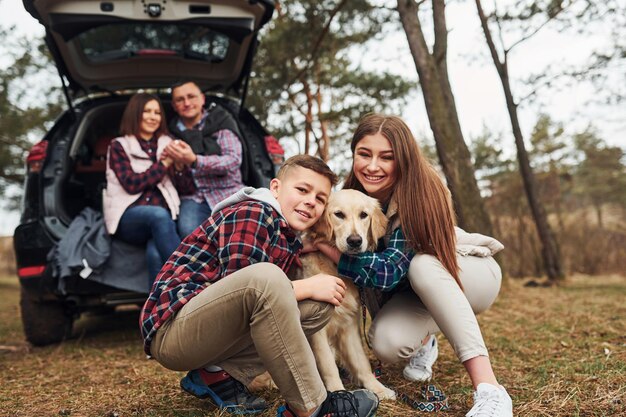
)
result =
(359, 403)
(223, 390)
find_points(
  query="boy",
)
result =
(223, 298)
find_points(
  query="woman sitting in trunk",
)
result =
(141, 200)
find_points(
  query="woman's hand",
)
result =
(166, 160)
(330, 251)
(321, 287)
(308, 246)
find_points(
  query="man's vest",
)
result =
(204, 141)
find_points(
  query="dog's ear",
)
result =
(378, 226)
(323, 230)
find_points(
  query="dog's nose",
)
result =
(354, 241)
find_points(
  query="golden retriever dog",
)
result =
(352, 222)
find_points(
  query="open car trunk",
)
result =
(108, 46)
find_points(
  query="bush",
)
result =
(586, 246)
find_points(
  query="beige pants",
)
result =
(437, 304)
(247, 323)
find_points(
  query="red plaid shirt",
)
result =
(229, 240)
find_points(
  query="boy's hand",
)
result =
(321, 287)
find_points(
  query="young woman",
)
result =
(427, 276)
(141, 199)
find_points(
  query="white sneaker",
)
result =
(420, 367)
(491, 401)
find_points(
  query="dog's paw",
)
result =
(386, 394)
(380, 390)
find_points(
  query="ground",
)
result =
(559, 351)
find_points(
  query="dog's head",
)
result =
(353, 222)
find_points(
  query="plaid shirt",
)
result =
(136, 182)
(382, 270)
(217, 176)
(231, 239)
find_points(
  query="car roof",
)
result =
(134, 44)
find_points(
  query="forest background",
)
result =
(545, 172)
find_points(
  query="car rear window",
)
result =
(121, 41)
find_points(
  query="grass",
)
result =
(559, 351)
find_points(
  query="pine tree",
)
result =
(27, 105)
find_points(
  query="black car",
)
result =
(105, 51)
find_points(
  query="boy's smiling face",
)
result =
(302, 194)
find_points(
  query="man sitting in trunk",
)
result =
(211, 145)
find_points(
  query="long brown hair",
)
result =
(424, 205)
(133, 113)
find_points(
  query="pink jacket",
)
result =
(115, 198)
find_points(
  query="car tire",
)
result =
(45, 322)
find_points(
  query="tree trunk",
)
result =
(323, 144)
(452, 150)
(308, 121)
(598, 208)
(522, 245)
(558, 208)
(550, 253)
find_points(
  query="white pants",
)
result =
(437, 303)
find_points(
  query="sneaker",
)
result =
(359, 403)
(225, 391)
(491, 401)
(420, 367)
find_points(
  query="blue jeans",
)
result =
(152, 226)
(191, 216)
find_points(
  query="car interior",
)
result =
(89, 153)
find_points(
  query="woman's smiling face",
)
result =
(375, 166)
(150, 119)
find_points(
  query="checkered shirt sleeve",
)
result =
(383, 270)
(219, 176)
(229, 240)
(228, 161)
(130, 180)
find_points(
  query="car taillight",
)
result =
(36, 156)
(274, 150)
(30, 271)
